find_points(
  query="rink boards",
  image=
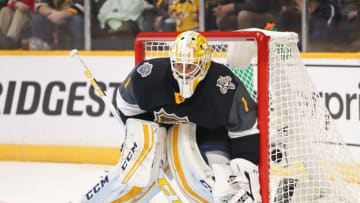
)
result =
(49, 112)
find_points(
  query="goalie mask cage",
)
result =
(302, 156)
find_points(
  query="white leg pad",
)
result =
(143, 153)
(191, 173)
(133, 178)
(109, 188)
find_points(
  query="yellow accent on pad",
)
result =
(245, 104)
(167, 189)
(148, 145)
(148, 189)
(178, 167)
(128, 196)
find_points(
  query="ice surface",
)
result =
(35, 182)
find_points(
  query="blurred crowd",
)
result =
(59, 24)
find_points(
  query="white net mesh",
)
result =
(308, 159)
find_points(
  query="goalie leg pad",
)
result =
(109, 188)
(143, 153)
(133, 178)
(190, 171)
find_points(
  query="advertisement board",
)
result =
(45, 100)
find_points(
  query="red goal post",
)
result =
(292, 119)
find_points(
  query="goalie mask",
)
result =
(190, 57)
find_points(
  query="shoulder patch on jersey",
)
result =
(145, 69)
(224, 83)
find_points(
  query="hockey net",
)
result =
(303, 158)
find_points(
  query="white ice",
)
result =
(37, 182)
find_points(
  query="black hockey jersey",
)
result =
(220, 100)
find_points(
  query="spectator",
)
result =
(158, 17)
(324, 18)
(55, 21)
(323, 22)
(350, 9)
(117, 15)
(241, 14)
(185, 13)
(289, 18)
(326, 24)
(13, 20)
(350, 21)
(210, 22)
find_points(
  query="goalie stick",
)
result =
(172, 192)
(88, 74)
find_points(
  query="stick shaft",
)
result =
(88, 74)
